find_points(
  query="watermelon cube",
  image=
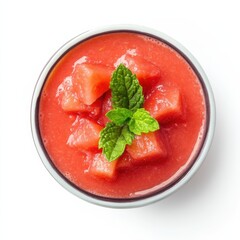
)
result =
(67, 96)
(164, 104)
(144, 70)
(101, 167)
(70, 101)
(106, 106)
(91, 81)
(124, 161)
(85, 134)
(147, 147)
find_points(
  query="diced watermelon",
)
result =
(144, 70)
(125, 161)
(164, 104)
(91, 81)
(70, 101)
(85, 135)
(68, 97)
(148, 146)
(106, 106)
(101, 167)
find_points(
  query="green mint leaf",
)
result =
(119, 115)
(126, 90)
(142, 122)
(113, 140)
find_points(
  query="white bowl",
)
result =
(130, 202)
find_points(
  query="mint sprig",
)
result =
(127, 117)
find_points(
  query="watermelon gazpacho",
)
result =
(74, 110)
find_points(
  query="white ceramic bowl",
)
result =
(131, 202)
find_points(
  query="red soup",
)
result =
(76, 96)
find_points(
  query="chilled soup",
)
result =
(76, 97)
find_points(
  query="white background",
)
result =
(34, 206)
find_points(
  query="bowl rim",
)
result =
(134, 202)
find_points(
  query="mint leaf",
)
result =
(113, 140)
(126, 90)
(119, 116)
(142, 122)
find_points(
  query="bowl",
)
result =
(147, 198)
